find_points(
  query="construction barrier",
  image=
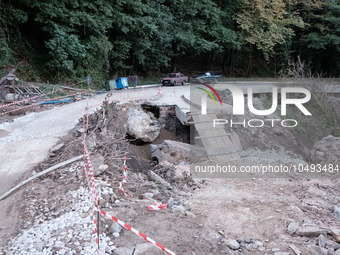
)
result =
(94, 197)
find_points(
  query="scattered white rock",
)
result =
(322, 241)
(292, 227)
(59, 235)
(178, 208)
(309, 231)
(232, 244)
(316, 250)
(115, 228)
(57, 147)
(337, 212)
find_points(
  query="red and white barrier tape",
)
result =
(6, 105)
(92, 176)
(124, 178)
(154, 207)
(27, 106)
(157, 206)
(16, 102)
(135, 231)
(26, 99)
(93, 196)
(93, 209)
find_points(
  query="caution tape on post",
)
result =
(155, 206)
(124, 179)
(93, 209)
(93, 196)
(136, 232)
(87, 156)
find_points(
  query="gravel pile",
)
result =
(70, 233)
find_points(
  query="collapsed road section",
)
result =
(145, 200)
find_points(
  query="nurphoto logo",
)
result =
(238, 106)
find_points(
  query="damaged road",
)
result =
(203, 216)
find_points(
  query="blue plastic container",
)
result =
(122, 83)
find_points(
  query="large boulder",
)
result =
(10, 98)
(326, 151)
(142, 126)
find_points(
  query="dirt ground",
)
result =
(203, 217)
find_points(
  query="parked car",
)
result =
(174, 79)
(208, 76)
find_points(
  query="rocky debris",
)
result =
(148, 195)
(176, 152)
(115, 229)
(68, 233)
(178, 208)
(171, 151)
(170, 202)
(145, 248)
(141, 126)
(295, 249)
(316, 250)
(140, 249)
(310, 231)
(10, 98)
(326, 151)
(57, 147)
(161, 183)
(159, 180)
(322, 241)
(322, 246)
(337, 212)
(178, 176)
(336, 234)
(174, 172)
(98, 165)
(332, 244)
(102, 168)
(233, 244)
(293, 227)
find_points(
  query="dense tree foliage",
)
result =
(67, 39)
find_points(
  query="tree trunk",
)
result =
(275, 64)
(173, 64)
(224, 63)
(231, 63)
(3, 79)
(249, 61)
